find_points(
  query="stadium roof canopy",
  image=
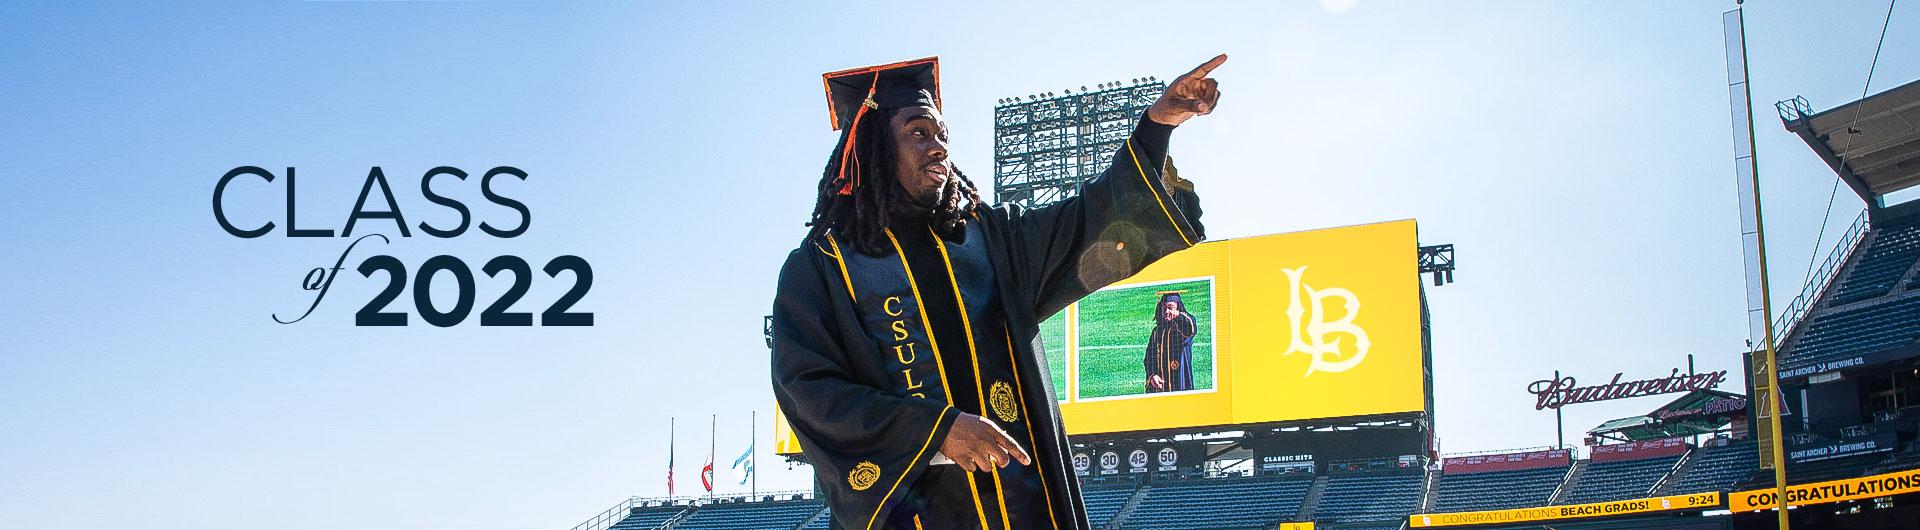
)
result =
(1696, 412)
(1873, 143)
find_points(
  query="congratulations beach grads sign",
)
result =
(376, 221)
(1831, 491)
(1693, 502)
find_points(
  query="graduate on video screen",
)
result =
(1169, 359)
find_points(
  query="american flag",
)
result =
(669, 457)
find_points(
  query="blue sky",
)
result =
(1578, 156)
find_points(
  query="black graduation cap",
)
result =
(852, 92)
(891, 86)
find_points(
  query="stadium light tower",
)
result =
(1046, 144)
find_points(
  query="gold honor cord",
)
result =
(973, 353)
(934, 344)
(842, 262)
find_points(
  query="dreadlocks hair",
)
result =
(861, 218)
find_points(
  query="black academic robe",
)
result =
(1170, 353)
(874, 357)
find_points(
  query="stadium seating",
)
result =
(1857, 331)
(646, 518)
(1219, 503)
(1369, 497)
(825, 520)
(1894, 248)
(1718, 468)
(750, 516)
(1623, 479)
(1497, 490)
(1102, 503)
(1901, 459)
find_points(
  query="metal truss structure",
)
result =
(1045, 145)
(1438, 260)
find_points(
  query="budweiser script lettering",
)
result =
(1555, 393)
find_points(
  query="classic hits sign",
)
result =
(379, 311)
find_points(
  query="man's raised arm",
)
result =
(1122, 220)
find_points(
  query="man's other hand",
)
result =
(977, 444)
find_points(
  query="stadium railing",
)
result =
(1818, 282)
(652, 518)
(1369, 496)
(1894, 247)
(676, 504)
(1497, 490)
(751, 515)
(610, 517)
(1858, 330)
(1622, 479)
(1718, 468)
(1194, 504)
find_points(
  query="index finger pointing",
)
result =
(1013, 448)
(1207, 68)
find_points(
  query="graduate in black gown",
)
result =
(1169, 358)
(905, 327)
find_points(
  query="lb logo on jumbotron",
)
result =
(1317, 336)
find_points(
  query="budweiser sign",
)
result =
(1555, 393)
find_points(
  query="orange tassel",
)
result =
(847, 154)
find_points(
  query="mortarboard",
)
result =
(1171, 296)
(852, 92)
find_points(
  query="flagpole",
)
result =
(753, 427)
(712, 430)
(670, 422)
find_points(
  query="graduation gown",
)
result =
(1170, 353)
(875, 357)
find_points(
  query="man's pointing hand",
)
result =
(1193, 94)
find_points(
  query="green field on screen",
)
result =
(1053, 335)
(1114, 326)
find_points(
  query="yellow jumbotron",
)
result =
(1304, 325)
(1316, 324)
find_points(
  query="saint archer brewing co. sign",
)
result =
(1555, 393)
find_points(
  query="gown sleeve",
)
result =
(1120, 221)
(866, 444)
